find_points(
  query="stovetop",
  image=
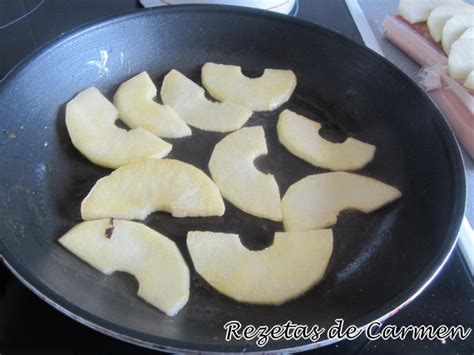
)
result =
(28, 324)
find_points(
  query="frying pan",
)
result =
(381, 260)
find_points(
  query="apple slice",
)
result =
(419, 10)
(454, 28)
(468, 34)
(300, 136)
(469, 83)
(315, 201)
(232, 169)
(189, 101)
(266, 93)
(461, 59)
(441, 14)
(113, 245)
(293, 264)
(90, 119)
(134, 100)
(135, 190)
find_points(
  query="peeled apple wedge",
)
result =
(315, 201)
(469, 83)
(156, 262)
(293, 264)
(441, 14)
(266, 93)
(468, 34)
(232, 169)
(454, 28)
(300, 136)
(135, 190)
(134, 100)
(461, 59)
(419, 10)
(189, 101)
(90, 121)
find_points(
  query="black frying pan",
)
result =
(380, 261)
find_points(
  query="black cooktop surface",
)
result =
(27, 324)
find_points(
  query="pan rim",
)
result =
(123, 333)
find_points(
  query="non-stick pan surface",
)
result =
(380, 260)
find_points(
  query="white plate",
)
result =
(281, 6)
